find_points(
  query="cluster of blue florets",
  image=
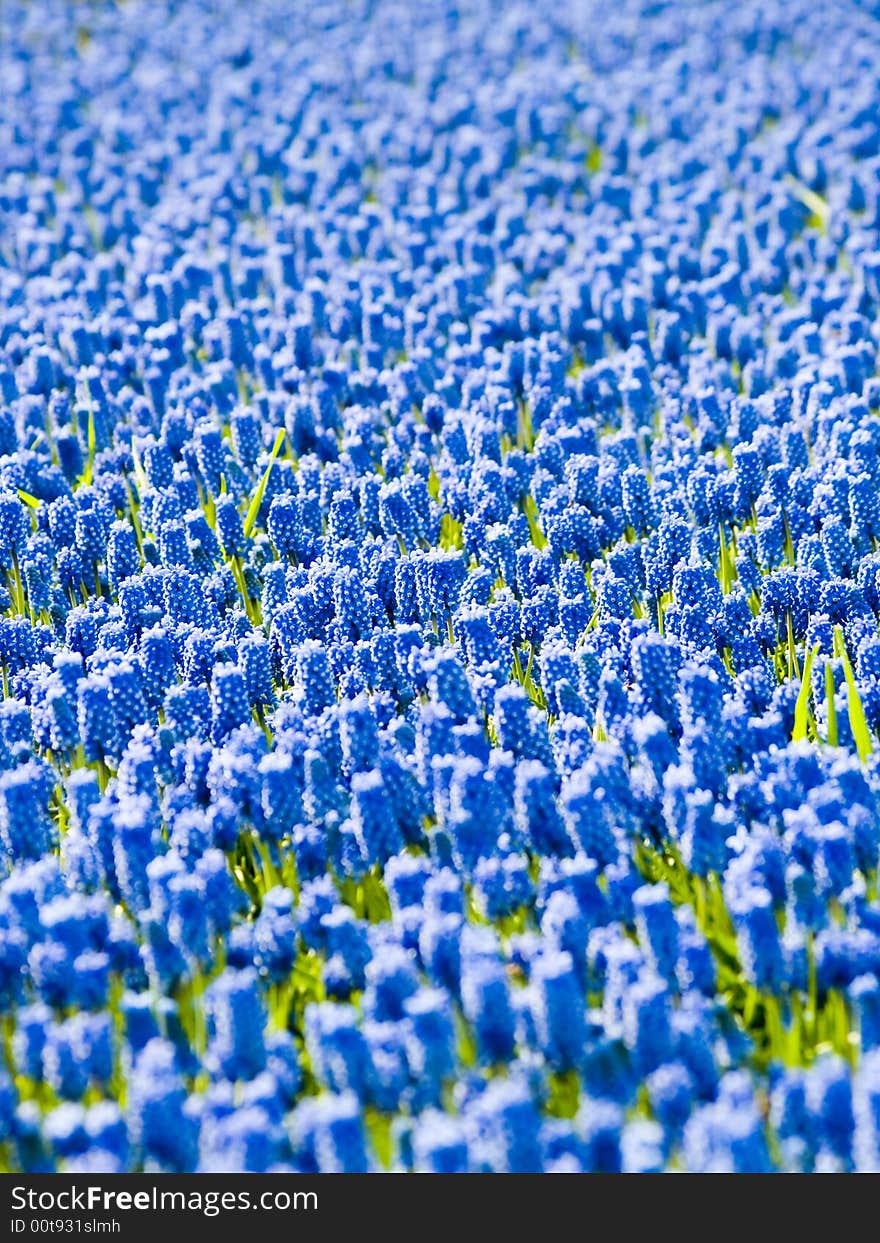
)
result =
(440, 586)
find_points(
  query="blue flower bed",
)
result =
(440, 584)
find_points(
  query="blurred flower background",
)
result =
(439, 577)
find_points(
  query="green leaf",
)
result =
(381, 1138)
(802, 707)
(530, 509)
(726, 567)
(832, 710)
(28, 499)
(254, 507)
(855, 711)
(86, 477)
(525, 436)
(819, 207)
(450, 533)
(139, 473)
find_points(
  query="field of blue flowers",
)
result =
(440, 546)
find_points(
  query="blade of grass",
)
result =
(90, 463)
(793, 670)
(820, 207)
(726, 567)
(832, 710)
(855, 711)
(530, 509)
(254, 507)
(802, 707)
(139, 473)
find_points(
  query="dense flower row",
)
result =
(440, 546)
